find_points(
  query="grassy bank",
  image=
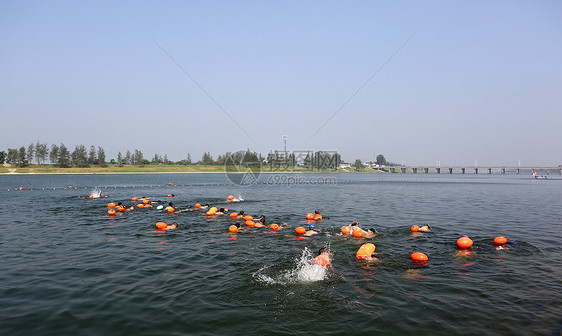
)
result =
(115, 169)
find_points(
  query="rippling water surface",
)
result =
(69, 268)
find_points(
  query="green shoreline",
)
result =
(152, 169)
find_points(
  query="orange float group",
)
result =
(464, 242)
(300, 230)
(274, 227)
(418, 256)
(415, 228)
(500, 240)
(345, 230)
(310, 216)
(233, 229)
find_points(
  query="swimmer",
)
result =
(323, 258)
(220, 212)
(366, 234)
(311, 231)
(261, 221)
(148, 205)
(425, 228)
(317, 215)
(121, 207)
(170, 206)
(204, 206)
(241, 214)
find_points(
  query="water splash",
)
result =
(96, 193)
(303, 272)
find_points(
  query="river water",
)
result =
(68, 268)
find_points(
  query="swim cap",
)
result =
(311, 227)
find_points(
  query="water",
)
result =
(69, 268)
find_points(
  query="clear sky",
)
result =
(479, 81)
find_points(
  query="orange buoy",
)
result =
(320, 261)
(161, 225)
(345, 230)
(121, 208)
(250, 223)
(365, 251)
(69, 187)
(464, 242)
(233, 215)
(248, 218)
(111, 212)
(145, 201)
(357, 233)
(300, 230)
(211, 213)
(91, 196)
(418, 256)
(111, 205)
(415, 228)
(170, 210)
(215, 209)
(274, 227)
(197, 205)
(233, 229)
(169, 195)
(230, 197)
(140, 205)
(310, 216)
(134, 199)
(500, 240)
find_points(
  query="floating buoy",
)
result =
(357, 233)
(170, 210)
(248, 218)
(121, 209)
(91, 196)
(500, 240)
(310, 216)
(233, 229)
(415, 228)
(464, 242)
(230, 197)
(111, 212)
(345, 230)
(214, 209)
(69, 187)
(161, 225)
(211, 213)
(169, 195)
(418, 256)
(145, 201)
(274, 227)
(300, 230)
(197, 205)
(140, 205)
(365, 251)
(111, 205)
(233, 215)
(134, 199)
(250, 223)
(320, 261)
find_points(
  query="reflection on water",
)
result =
(70, 268)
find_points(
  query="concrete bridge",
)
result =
(474, 169)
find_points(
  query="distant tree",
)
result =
(112, 161)
(188, 161)
(13, 156)
(79, 156)
(138, 158)
(92, 155)
(54, 154)
(41, 152)
(30, 152)
(381, 161)
(128, 159)
(120, 159)
(101, 157)
(207, 159)
(156, 159)
(2, 157)
(166, 161)
(63, 159)
(22, 157)
(358, 164)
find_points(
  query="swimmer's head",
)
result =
(321, 250)
(237, 225)
(241, 213)
(373, 230)
(354, 223)
(207, 205)
(317, 212)
(221, 210)
(311, 227)
(119, 203)
(171, 204)
(262, 219)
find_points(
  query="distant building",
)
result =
(344, 165)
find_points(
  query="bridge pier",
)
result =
(426, 170)
(489, 170)
(517, 171)
(462, 170)
(450, 170)
(438, 170)
(548, 172)
(475, 170)
(503, 171)
(415, 170)
(402, 170)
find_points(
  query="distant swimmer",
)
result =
(366, 252)
(170, 207)
(323, 258)
(121, 207)
(370, 233)
(317, 215)
(220, 212)
(311, 231)
(261, 222)
(425, 228)
(241, 214)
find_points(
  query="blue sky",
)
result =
(479, 81)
